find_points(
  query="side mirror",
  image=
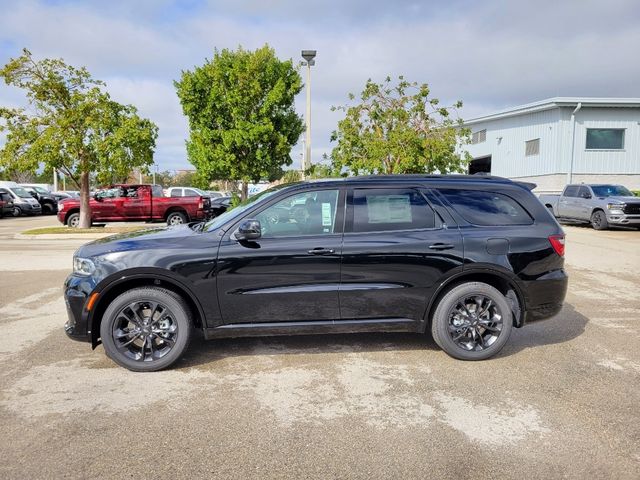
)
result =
(586, 195)
(248, 230)
(97, 197)
(34, 195)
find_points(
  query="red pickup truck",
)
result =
(121, 203)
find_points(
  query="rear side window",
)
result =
(376, 210)
(571, 191)
(487, 208)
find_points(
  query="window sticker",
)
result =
(326, 215)
(389, 208)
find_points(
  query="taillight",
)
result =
(557, 242)
(200, 205)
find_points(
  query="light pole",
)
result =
(309, 56)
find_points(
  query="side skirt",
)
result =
(312, 327)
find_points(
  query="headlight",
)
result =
(83, 266)
(616, 207)
(60, 206)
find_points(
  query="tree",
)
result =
(73, 126)
(398, 129)
(242, 121)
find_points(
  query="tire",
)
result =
(48, 208)
(73, 220)
(147, 350)
(176, 218)
(479, 337)
(599, 220)
(17, 212)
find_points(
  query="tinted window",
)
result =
(307, 213)
(605, 138)
(611, 191)
(376, 210)
(176, 192)
(487, 208)
(584, 192)
(190, 193)
(571, 191)
(156, 191)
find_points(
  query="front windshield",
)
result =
(611, 191)
(235, 212)
(40, 190)
(21, 192)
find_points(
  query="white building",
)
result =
(561, 140)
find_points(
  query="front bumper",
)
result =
(76, 292)
(29, 208)
(544, 296)
(623, 219)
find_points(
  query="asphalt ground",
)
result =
(562, 400)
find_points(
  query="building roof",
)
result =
(556, 102)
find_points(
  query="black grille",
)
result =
(632, 209)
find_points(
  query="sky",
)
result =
(489, 54)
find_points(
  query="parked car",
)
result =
(601, 205)
(47, 200)
(220, 205)
(62, 194)
(466, 258)
(118, 203)
(23, 201)
(213, 194)
(185, 192)
(6, 203)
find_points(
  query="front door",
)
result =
(292, 273)
(396, 249)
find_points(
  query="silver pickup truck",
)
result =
(601, 205)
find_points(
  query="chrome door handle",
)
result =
(441, 246)
(321, 251)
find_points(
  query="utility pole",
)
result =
(309, 56)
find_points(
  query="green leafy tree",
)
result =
(398, 129)
(240, 107)
(72, 125)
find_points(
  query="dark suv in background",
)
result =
(467, 258)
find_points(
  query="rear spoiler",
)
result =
(528, 185)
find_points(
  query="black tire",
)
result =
(73, 220)
(17, 212)
(174, 310)
(48, 208)
(176, 218)
(599, 220)
(448, 322)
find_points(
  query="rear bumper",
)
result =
(545, 296)
(76, 292)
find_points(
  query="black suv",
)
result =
(465, 257)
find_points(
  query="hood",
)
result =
(622, 199)
(158, 238)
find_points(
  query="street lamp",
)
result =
(309, 56)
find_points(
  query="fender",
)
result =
(478, 268)
(144, 273)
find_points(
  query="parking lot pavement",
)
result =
(561, 400)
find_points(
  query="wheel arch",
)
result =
(176, 209)
(69, 213)
(499, 280)
(127, 281)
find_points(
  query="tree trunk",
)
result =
(85, 207)
(244, 194)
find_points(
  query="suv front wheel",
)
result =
(472, 321)
(146, 329)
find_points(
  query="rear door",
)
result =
(567, 205)
(135, 202)
(395, 250)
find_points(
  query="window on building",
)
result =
(532, 147)
(479, 136)
(379, 210)
(605, 138)
(487, 208)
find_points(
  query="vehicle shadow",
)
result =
(564, 327)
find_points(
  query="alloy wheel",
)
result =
(145, 331)
(475, 322)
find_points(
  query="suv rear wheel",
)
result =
(146, 329)
(473, 321)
